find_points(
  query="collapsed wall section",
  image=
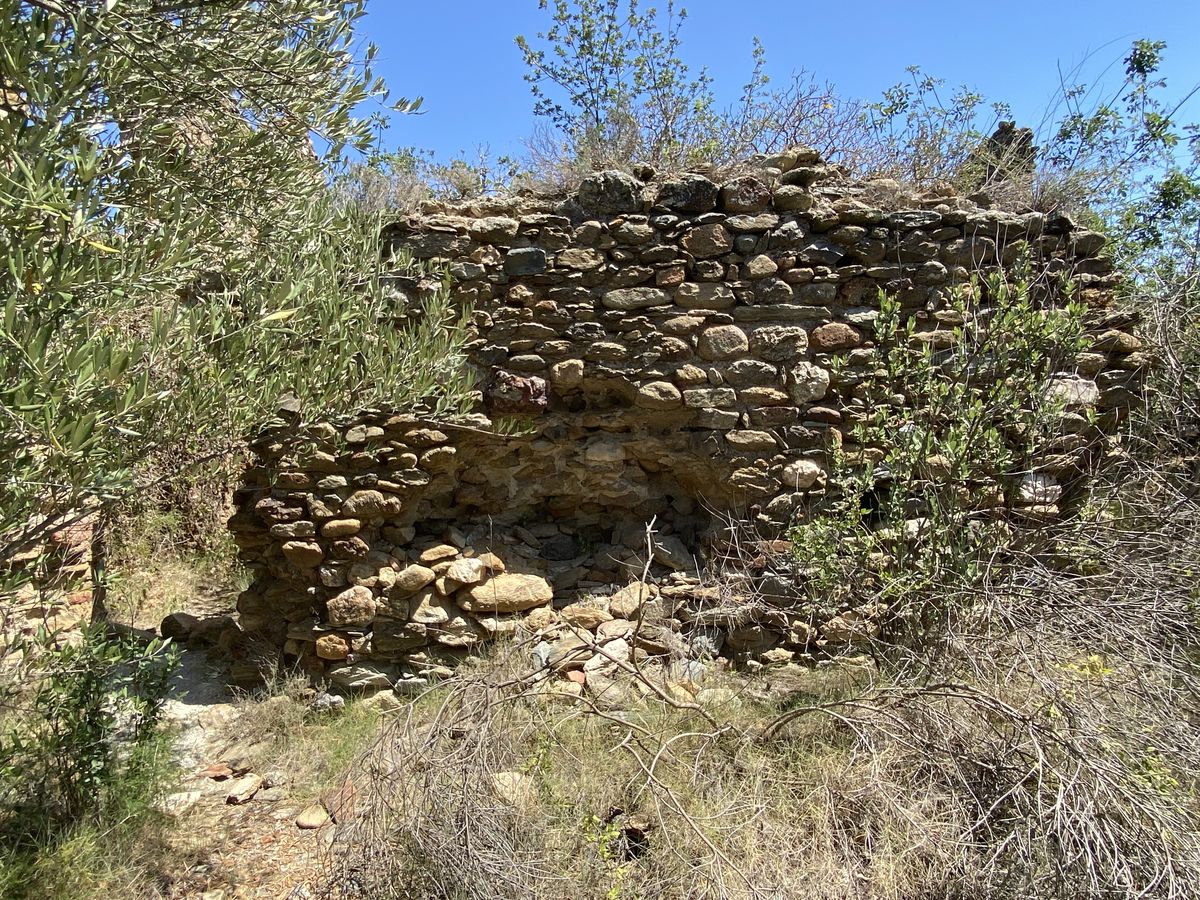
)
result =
(679, 350)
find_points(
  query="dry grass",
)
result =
(1044, 743)
(156, 570)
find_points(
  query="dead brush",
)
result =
(1041, 743)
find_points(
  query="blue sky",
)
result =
(460, 55)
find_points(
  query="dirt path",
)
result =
(223, 850)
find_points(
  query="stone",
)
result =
(312, 816)
(809, 382)
(360, 434)
(339, 528)
(609, 656)
(855, 626)
(541, 619)
(633, 232)
(582, 259)
(1073, 391)
(709, 295)
(560, 548)
(698, 398)
(673, 553)
(744, 441)
(525, 261)
(585, 615)
(610, 191)
(759, 266)
(355, 606)
(750, 226)
(819, 252)
(332, 647)
(635, 298)
(1116, 341)
(178, 626)
(362, 676)
(764, 396)
(437, 553)
(1039, 489)
(364, 504)
(628, 602)
(427, 607)
(510, 592)
(567, 374)
(801, 474)
(793, 198)
(835, 336)
(244, 789)
(463, 631)
(467, 571)
(707, 241)
(778, 343)
(604, 451)
(688, 193)
(303, 554)
(658, 395)
(722, 342)
(411, 579)
(744, 195)
(494, 229)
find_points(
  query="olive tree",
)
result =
(174, 261)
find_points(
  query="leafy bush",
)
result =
(945, 424)
(74, 726)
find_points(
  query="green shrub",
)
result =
(91, 706)
(941, 435)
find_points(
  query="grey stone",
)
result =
(635, 298)
(688, 193)
(525, 261)
(610, 191)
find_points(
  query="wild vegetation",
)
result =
(191, 255)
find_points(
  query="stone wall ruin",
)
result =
(667, 349)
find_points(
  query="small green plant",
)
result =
(607, 839)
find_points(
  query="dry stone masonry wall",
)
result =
(667, 348)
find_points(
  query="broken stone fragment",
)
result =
(314, 816)
(244, 789)
(628, 602)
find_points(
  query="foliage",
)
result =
(921, 137)
(948, 422)
(176, 264)
(94, 701)
(399, 181)
(111, 853)
(611, 81)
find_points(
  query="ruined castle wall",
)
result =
(668, 349)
